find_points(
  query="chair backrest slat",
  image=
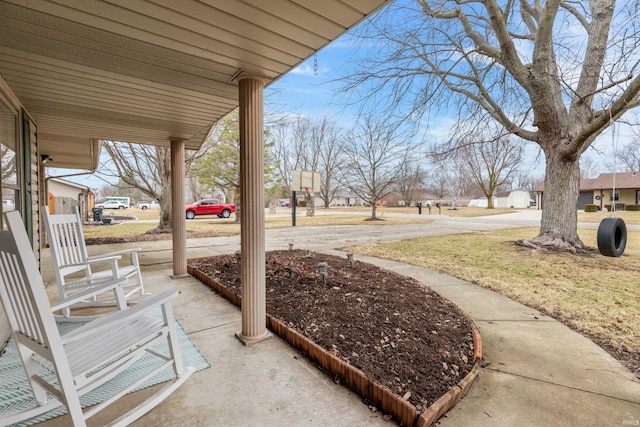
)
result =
(66, 241)
(21, 289)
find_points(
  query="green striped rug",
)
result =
(15, 393)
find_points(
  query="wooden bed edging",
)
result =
(388, 402)
(457, 392)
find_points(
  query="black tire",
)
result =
(144, 207)
(612, 237)
(191, 214)
(120, 207)
(225, 213)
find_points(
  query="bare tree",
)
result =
(290, 149)
(148, 169)
(326, 140)
(372, 154)
(629, 156)
(411, 179)
(588, 168)
(513, 64)
(525, 180)
(311, 145)
(452, 178)
(491, 163)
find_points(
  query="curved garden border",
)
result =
(388, 402)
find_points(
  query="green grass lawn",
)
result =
(595, 295)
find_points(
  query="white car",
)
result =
(113, 205)
(148, 205)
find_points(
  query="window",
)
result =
(9, 161)
(614, 196)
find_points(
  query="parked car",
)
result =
(148, 205)
(209, 207)
(112, 204)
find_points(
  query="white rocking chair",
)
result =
(70, 258)
(88, 356)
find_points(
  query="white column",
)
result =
(178, 219)
(252, 244)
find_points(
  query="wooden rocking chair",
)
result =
(75, 269)
(88, 356)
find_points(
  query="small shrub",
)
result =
(632, 208)
(590, 208)
(608, 208)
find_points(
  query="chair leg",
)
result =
(136, 263)
(31, 369)
(68, 389)
(172, 339)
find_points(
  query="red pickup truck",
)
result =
(210, 207)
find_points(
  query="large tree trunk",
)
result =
(559, 226)
(164, 170)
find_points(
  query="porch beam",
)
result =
(252, 236)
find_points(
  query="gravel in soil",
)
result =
(397, 331)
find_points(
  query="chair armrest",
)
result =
(116, 253)
(115, 318)
(94, 290)
(93, 261)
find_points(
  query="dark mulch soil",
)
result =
(398, 332)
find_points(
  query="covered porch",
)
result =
(158, 72)
(270, 384)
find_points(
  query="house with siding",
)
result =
(621, 188)
(64, 195)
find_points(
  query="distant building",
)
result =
(64, 195)
(512, 199)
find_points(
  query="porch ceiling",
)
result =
(148, 71)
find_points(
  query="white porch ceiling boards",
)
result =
(148, 71)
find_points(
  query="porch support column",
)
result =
(252, 245)
(178, 219)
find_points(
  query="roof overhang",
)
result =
(151, 71)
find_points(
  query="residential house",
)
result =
(621, 188)
(64, 195)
